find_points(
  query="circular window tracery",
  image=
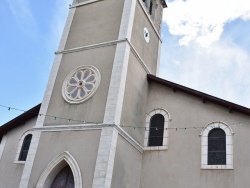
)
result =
(81, 84)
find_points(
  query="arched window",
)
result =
(25, 148)
(156, 130)
(217, 146)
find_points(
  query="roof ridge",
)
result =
(204, 96)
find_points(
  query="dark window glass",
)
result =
(156, 130)
(25, 148)
(64, 179)
(150, 7)
(216, 147)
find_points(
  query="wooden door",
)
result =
(64, 179)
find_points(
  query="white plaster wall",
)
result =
(180, 165)
(10, 171)
(81, 144)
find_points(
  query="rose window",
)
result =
(81, 84)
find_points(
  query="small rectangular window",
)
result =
(150, 7)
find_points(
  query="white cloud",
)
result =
(202, 21)
(221, 70)
(206, 61)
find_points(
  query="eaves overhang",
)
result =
(19, 120)
(203, 96)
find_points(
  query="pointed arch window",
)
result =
(217, 146)
(156, 130)
(25, 148)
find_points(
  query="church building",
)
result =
(108, 121)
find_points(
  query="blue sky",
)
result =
(203, 48)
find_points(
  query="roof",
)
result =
(164, 4)
(19, 120)
(203, 96)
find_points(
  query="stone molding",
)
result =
(144, 66)
(92, 46)
(2, 145)
(116, 91)
(105, 158)
(109, 43)
(167, 119)
(86, 127)
(46, 179)
(140, 3)
(30, 159)
(20, 144)
(80, 84)
(127, 137)
(83, 3)
(158, 60)
(117, 84)
(229, 146)
(45, 103)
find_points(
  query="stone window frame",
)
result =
(2, 144)
(19, 148)
(167, 119)
(229, 146)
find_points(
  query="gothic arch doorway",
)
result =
(64, 165)
(64, 179)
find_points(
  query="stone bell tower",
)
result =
(97, 83)
(105, 38)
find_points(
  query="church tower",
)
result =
(97, 88)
